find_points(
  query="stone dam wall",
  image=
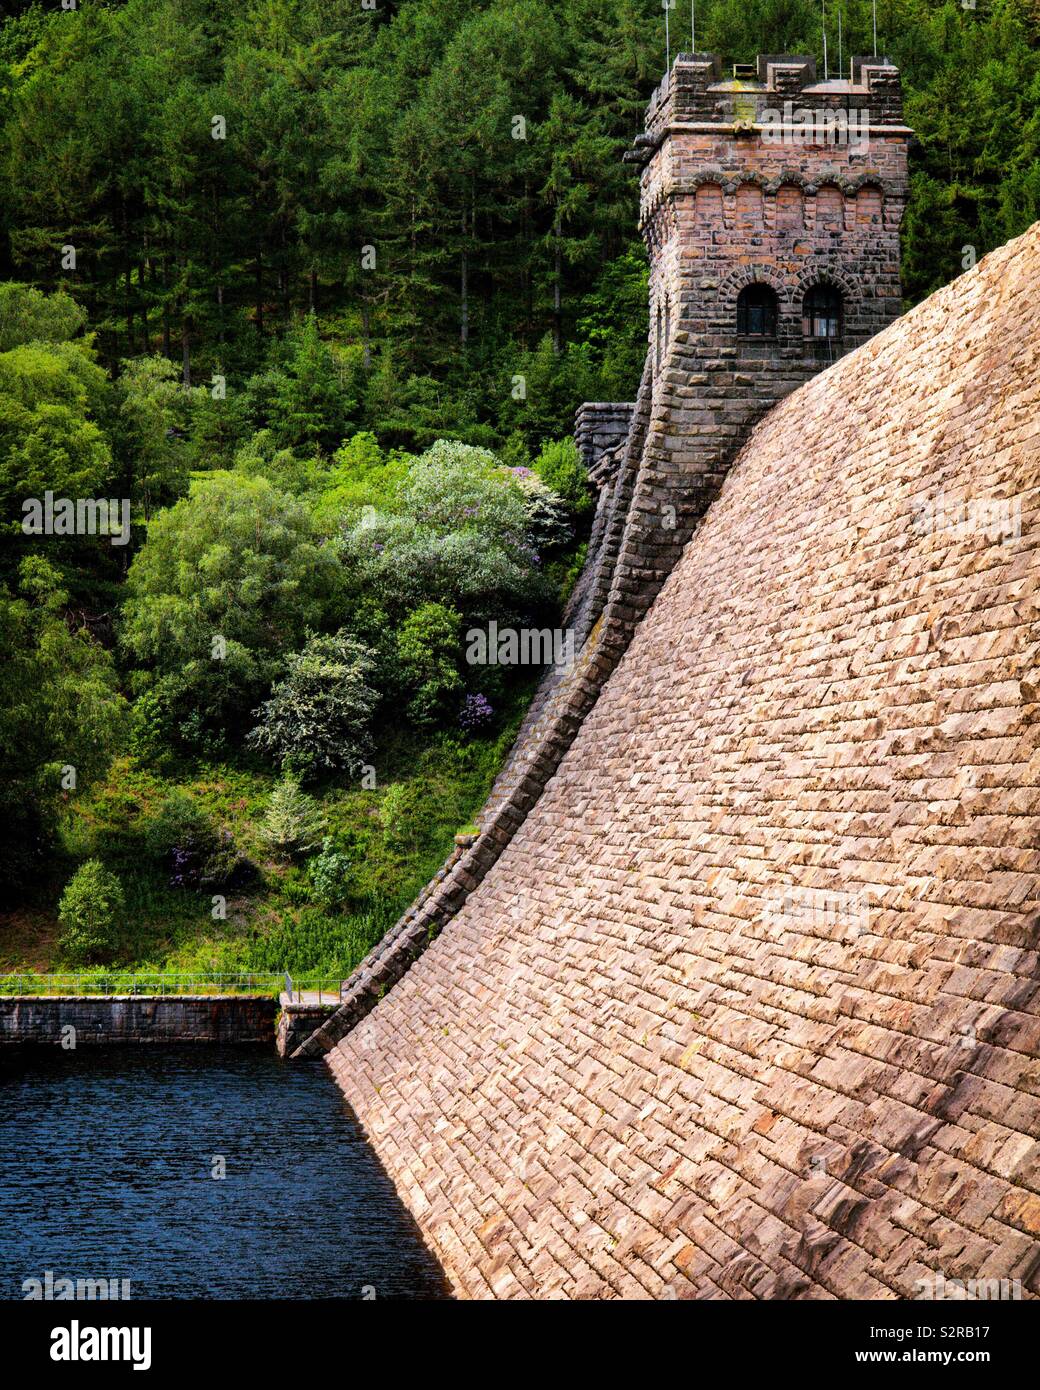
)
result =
(136, 1018)
(748, 1003)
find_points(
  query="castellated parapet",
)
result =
(770, 204)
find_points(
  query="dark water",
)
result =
(106, 1156)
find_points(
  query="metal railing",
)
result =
(327, 987)
(113, 982)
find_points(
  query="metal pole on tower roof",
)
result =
(841, 60)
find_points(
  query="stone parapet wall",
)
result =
(698, 90)
(600, 430)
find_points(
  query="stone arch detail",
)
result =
(829, 175)
(736, 280)
(703, 176)
(851, 186)
(731, 184)
(815, 274)
(794, 177)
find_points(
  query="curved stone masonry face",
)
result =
(750, 1004)
(720, 209)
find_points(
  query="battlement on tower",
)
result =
(772, 179)
(697, 89)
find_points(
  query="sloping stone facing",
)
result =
(627, 1067)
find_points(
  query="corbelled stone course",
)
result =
(749, 1005)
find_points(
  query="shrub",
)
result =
(361, 476)
(259, 457)
(547, 524)
(154, 422)
(89, 912)
(459, 533)
(329, 873)
(218, 865)
(53, 398)
(403, 817)
(182, 837)
(27, 316)
(293, 823)
(565, 571)
(427, 650)
(178, 823)
(476, 712)
(317, 717)
(149, 726)
(560, 468)
(229, 579)
(58, 692)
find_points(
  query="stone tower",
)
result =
(770, 203)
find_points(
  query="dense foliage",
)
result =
(318, 716)
(296, 612)
(61, 716)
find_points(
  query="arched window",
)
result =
(756, 312)
(822, 312)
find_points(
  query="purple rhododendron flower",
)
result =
(476, 712)
(183, 863)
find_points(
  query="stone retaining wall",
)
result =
(137, 1018)
(296, 1023)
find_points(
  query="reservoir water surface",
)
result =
(196, 1172)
